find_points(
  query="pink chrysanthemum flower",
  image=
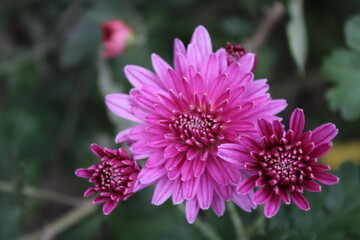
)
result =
(285, 162)
(184, 113)
(113, 177)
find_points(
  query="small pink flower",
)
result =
(285, 162)
(115, 37)
(184, 113)
(113, 177)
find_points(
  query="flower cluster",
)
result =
(210, 134)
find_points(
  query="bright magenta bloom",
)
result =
(115, 37)
(113, 177)
(184, 113)
(285, 162)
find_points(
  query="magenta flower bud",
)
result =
(113, 177)
(236, 52)
(116, 36)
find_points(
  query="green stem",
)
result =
(203, 227)
(51, 230)
(257, 227)
(41, 193)
(237, 222)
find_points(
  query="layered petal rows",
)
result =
(286, 162)
(184, 113)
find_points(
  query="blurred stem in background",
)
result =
(237, 222)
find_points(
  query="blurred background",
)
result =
(52, 86)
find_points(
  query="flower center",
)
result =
(110, 177)
(285, 166)
(197, 129)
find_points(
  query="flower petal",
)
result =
(272, 206)
(202, 39)
(119, 104)
(297, 123)
(300, 201)
(247, 185)
(109, 206)
(163, 190)
(324, 133)
(326, 178)
(205, 192)
(191, 210)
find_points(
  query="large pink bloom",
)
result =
(286, 162)
(184, 113)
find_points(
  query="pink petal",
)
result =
(89, 192)
(181, 64)
(216, 170)
(218, 205)
(139, 76)
(311, 186)
(247, 62)
(161, 67)
(190, 187)
(170, 151)
(300, 201)
(83, 173)
(177, 196)
(202, 39)
(158, 142)
(265, 127)
(194, 56)
(233, 153)
(263, 194)
(321, 150)
(97, 150)
(163, 190)
(205, 192)
(149, 175)
(223, 191)
(247, 185)
(278, 129)
(119, 104)
(297, 123)
(210, 69)
(246, 201)
(324, 133)
(221, 55)
(326, 178)
(172, 163)
(187, 170)
(109, 206)
(100, 199)
(272, 206)
(285, 197)
(191, 210)
(155, 160)
(179, 46)
(199, 168)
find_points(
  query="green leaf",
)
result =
(352, 33)
(342, 69)
(296, 34)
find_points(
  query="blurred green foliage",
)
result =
(342, 69)
(52, 107)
